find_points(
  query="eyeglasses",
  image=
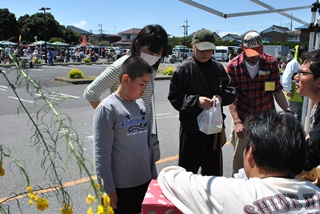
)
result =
(303, 73)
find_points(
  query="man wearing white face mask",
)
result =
(195, 84)
(151, 44)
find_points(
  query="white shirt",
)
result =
(193, 194)
(252, 69)
(292, 67)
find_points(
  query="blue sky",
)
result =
(116, 16)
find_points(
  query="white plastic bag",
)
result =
(211, 121)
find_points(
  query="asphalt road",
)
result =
(16, 133)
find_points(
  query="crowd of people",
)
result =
(29, 54)
(271, 150)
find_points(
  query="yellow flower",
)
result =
(90, 211)
(30, 202)
(36, 198)
(100, 209)
(106, 199)
(109, 210)
(96, 185)
(67, 209)
(90, 199)
(2, 172)
(29, 188)
(42, 204)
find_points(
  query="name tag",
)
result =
(264, 72)
(269, 86)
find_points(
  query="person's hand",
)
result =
(205, 103)
(217, 97)
(317, 182)
(113, 200)
(240, 130)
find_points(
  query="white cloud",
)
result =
(81, 24)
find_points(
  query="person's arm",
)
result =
(94, 104)
(287, 77)
(178, 97)
(239, 126)
(192, 193)
(103, 136)
(281, 100)
(107, 79)
(313, 152)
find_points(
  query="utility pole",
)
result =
(100, 25)
(185, 34)
(185, 31)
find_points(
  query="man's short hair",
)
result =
(134, 67)
(278, 142)
(314, 58)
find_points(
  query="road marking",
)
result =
(3, 88)
(50, 189)
(15, 98)
(58, 96)
(168, 159)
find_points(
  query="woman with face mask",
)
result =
(151, 44)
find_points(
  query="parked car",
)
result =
(221, 53)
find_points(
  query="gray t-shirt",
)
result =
(122, 150)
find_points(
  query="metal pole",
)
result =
(45, 31)
(45, 35)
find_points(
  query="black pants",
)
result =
(130, 199)
(196, 150)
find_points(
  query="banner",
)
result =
(84, 41)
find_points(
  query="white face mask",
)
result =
(151, 60)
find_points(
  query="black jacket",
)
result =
(313, 154)
(187, 85)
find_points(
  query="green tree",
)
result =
(9, 29)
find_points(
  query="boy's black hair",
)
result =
(134, 67)
(278, 142)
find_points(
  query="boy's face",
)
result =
(306, 85)
(136, 87)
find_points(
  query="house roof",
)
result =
(302, 27)
(103, 35)
(131, 31)
(235, 36)
(127, 43)
(275, 28)
(78, 30)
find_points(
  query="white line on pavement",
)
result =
(15, 98)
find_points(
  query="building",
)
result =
(279, 34)
(127, 38)
(304, 33)
(237, 40)
(111, 38)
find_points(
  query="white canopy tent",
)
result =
(314, 40)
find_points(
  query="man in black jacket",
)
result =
(308, 85)
(194, 86)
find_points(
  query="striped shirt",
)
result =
(109, 80)
(251, 94)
